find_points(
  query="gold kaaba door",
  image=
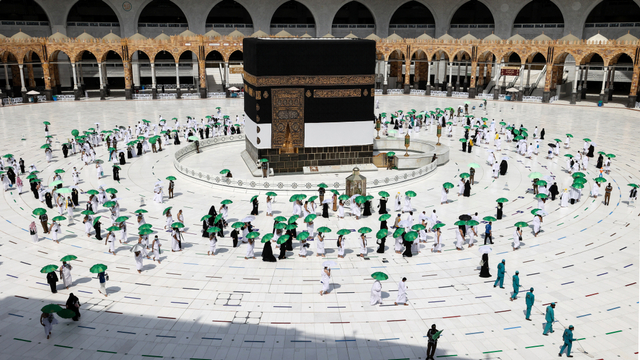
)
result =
(287, 119)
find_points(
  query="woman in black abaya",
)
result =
(467, 189)
(484, 268)
(267, 253)
(503, 167)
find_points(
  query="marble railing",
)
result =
(278, 183)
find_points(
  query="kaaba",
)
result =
(310, 102)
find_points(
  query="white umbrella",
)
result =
(33, 92)
(159, 183)
(137, 247)
(505, 158)
(327, 201)
(329, 264)
(404, 224)
(485, 249)
(233, 88)
(512, 90)
(248, 219)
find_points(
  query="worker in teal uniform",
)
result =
(500, 279)
(529, 299)
(550, 318)
(516, 285)
(568, 339)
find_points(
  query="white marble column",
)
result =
(24, 88)
(521, 78)
(605, 72)
(177, 77)
(6, 78)
(450, 72)
(226, 74)
(153, 75)
(100, 75)
(576, 80)
(75, 77)
(384, 72)
(429, 74)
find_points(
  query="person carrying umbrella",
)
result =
(433, 334)
(73, 304)
(47, 320)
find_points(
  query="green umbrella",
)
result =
(267, 238)
(600, 180)
(262, 160)
(489, 218)
(360, 199)
(577, 175)
(146, 232)
(383, 194)
(634, 185)
(334, 191)
(324, 229)
(109, 204)
(63, 191)
(541, 196)
(411, 236)
(568, 155)
(271, 193)
(224, 171)
(237, 225)
(205, 217)
(557, 140)
(95, 220)
(518, 138)
(140, 211)
(51, 308)
(391, 154)
(313, 198)
(301, 196)
(382, 233)
(379, 276)
(447, 185)
(36, 180)
(253, 198)
(291, 226)
(464, 175)
(111, 191)
(541, 183)
(145, 227)
(399, 232)
(521, 224)
(310, 218)
(87, 212)
(516, 131)
(98, 268)
(343, 197)
(462, 140)
(580, 181)
(384, 217)
(280, 218)
(226, 202)
(587, 139)
(502, 200)
(364, 230)
(302, 236)
(460, 223)
(282, 239)
(569, 135)
(46, 123)
(411, 193)
(32, 176)
(293, 219)
(113, 228)
(217, 218)
(577, 186)
(534, 175)
(59, 218)
(534, 211)
(59, 171)
(418, 227)
(323, 185)
(472, 223)
(66, 314)
(193, 138)
(611, 156)
(213, 229)
(49, 268)
(75, 132)
(438, 226)
(111, 149)
(253, 235)
(55, 183)
(344, 232)
(122, 219)
(474, 165)
(69, 258)
(293, 198)
(92, 192)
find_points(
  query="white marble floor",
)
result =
(194, 306)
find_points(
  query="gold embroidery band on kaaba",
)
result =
(303, 80)
(336, 93)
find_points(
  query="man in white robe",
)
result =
(564, 199)
(376, 293)
(401, 298)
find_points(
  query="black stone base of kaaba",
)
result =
(320, 156)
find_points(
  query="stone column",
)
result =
(23, 88)
(574, 93)
(102, 92)
(178, 92)
(6, 78)
(202, 74)
(76, 91)
(496, 85)
(81, 78)
(226, 78)
(633, 94)
(407, 75)
(46, 73)
(154, 91)
(585, 83)
(528, 85)
(472, 83)
(612, 77)
(106, 79)
(128, 80)
(428, 88)
(385, 83)
(417, 67)
(546, 94)
(449, 88)
(579, 89)
(436, 78)
(32, 78)
(605, 73)
(457, 87)
(521, 89)
(465, 83)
